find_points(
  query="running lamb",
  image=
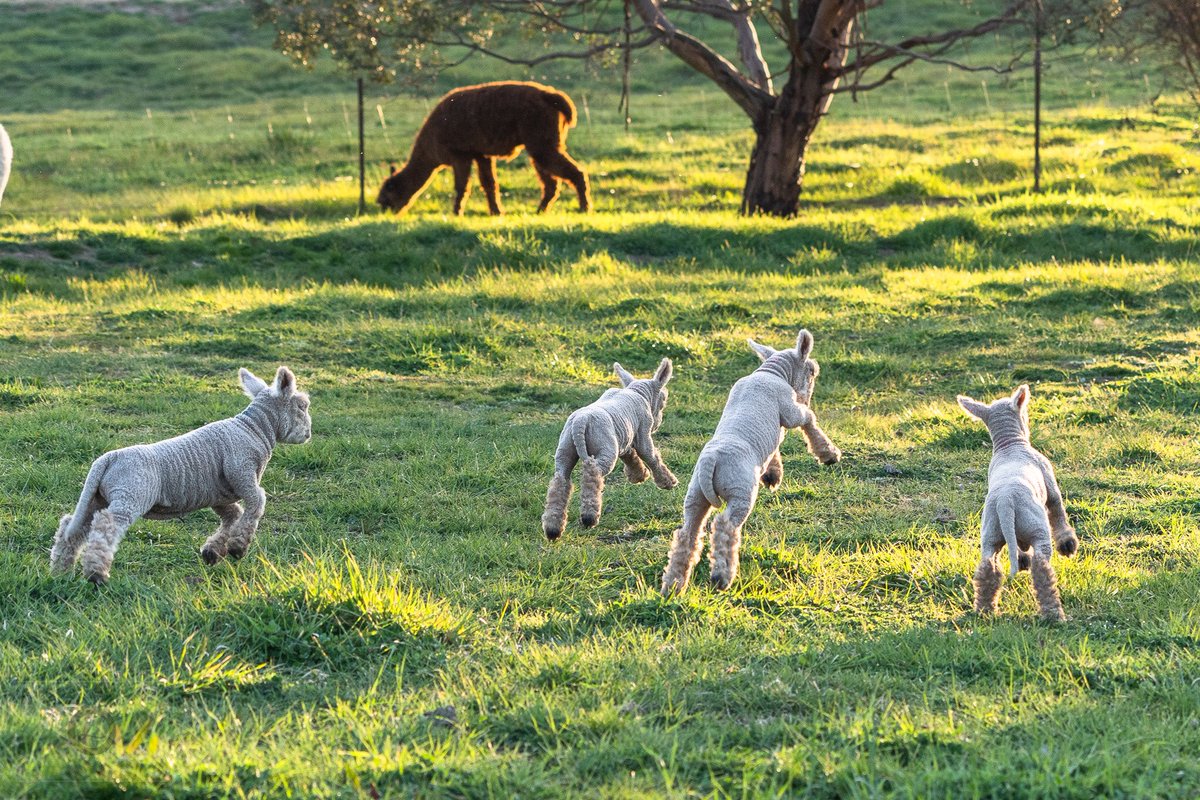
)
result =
(743, 453)
(618, 425)
(1024, 507)
(211, 467)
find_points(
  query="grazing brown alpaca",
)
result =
(480, 124)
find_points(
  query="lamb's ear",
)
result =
(804, 344)
(973, 407)
(251, 383)
(761, 350)
(285, 382)
(624, 376)
(664, 372)
(1021, 396)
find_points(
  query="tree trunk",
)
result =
(776, 173)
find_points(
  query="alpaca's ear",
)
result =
(804, 344)
(251, 383)
(1021, 396)
(624, 376)
(975, 408)
(663, 374)
(285, 382)
(761, 350)
(392, 167)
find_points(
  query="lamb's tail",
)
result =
(92, 484)
(702, 478)
(1006, 513)
(563, 104)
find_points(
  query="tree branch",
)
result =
(696, 54)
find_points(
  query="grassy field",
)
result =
(401, 628)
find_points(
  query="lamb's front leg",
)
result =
(242, 531)
(772, 474)
(794, 415)
(635, 470)
(217, 546)
(1066, 542)
(644, 446)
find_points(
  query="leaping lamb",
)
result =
(211, 467)
(744, 452)
(1023, 509)
(618, 425)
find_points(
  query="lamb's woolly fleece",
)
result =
(211, 467)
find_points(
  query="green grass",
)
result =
(400, 628)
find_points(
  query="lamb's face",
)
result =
(397, 192)
(656, 408)
(804, 379)
(295, 423)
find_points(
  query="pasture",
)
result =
(401, 628)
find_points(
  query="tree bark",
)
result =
(776, 172)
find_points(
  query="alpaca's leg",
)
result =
(70, 538)
(818, 443)
(217, 546)
(487, 179)
(559, 164)
(773, 473)
(549, 186)
(635, 469)
(462, 183)
(591, 486)
(644, 445)
(107, 529)
(242, 531)
(686, 544)
(725, 552)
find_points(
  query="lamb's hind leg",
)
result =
(686, 544)
(988, 577)
(217, 546)
(1045, 582)
(725, 553)
(554, 517)
(242, 531)
(107, 529)
(71, 536)
(591, 486)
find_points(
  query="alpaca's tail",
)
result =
(563, 104)
(1007, 513)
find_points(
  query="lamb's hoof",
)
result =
(1053, 617)
(98, 579)
(552, 534)
(210, 555)
(832, 457)
(772, 479)
(1068, 546)
(236, 551)
(720, 581)
(671, 483)
(1024, 561)
(670, 588)
(589, 520)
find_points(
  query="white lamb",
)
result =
(1023, 509)
(618, 425)
(210, 467)
(743, 453)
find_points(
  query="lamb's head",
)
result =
(653, 389)
(285, 406)
(793, 365)
(398, 190)
(1007, 419)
